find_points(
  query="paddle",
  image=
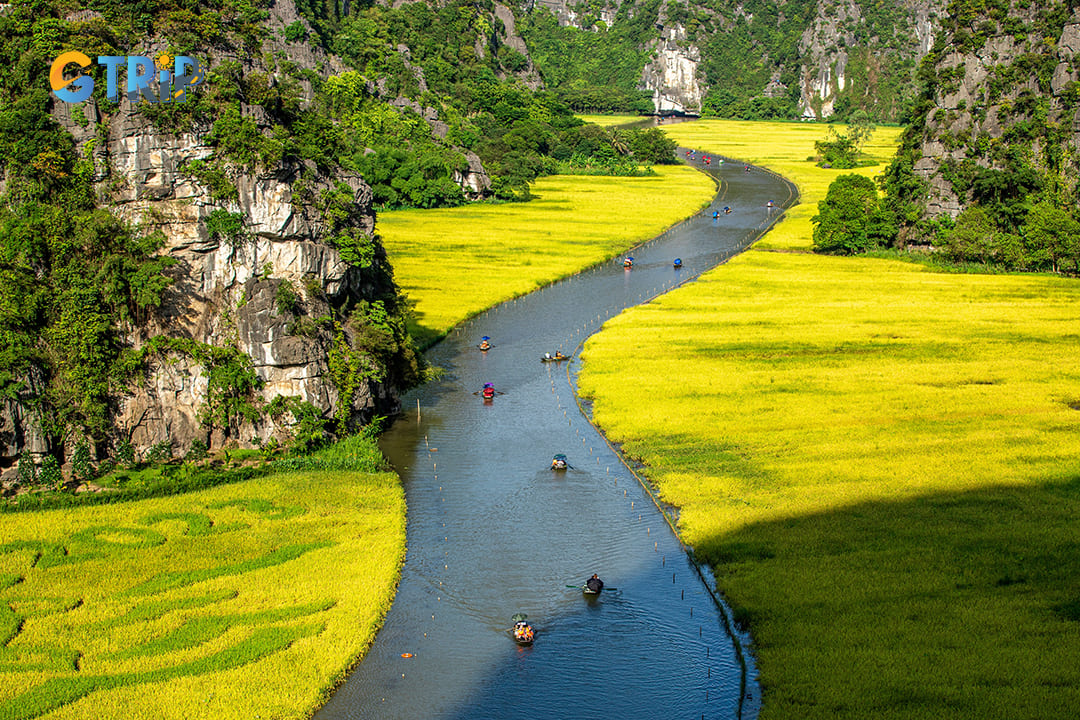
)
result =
(582, 587)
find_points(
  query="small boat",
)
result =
(523, 632)
(628, 262)
(593, 586)
(485, 343)
(559, 462)
(677, 264)
(488, 392)
(557, 357)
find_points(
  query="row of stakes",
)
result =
(648, 530)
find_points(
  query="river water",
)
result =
(492, 531)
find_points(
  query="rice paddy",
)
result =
(242, 601)
(784, 148)
(453, 263)
(881, 463)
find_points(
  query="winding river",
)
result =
(492, 531)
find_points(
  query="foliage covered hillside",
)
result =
(755, 59)
(462, 81)
(988, 170)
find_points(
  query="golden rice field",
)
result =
(455, 262)
(611, 120)
(242, 601)
(784, 148)
(881, 463)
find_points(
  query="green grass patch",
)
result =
(879, 461)
(457, 262)
(244, 600)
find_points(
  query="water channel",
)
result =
(492, 531)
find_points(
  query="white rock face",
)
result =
(672, 76)
(224, 295)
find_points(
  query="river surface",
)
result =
(492, 531)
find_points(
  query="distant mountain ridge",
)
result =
(802, 58)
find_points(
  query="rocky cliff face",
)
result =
(843, 33)
(227, 292)
(672, 76)
(1005, 95)
(851, 54)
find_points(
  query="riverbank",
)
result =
(241, 601)
(881, 467)
(455, 262)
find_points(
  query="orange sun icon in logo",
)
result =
(163, 61)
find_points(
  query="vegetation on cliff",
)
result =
(77, 283)
(986, 171)
(756, 56)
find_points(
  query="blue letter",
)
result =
(184, 79)
(138, 83)
(112, 71)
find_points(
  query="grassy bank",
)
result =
(881, 463)
(456, 262)
(241, 601)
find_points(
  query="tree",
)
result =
(1052, 238)
(850, 219)
(973, 238)
(842, 150)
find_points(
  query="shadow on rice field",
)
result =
(880, 462)
(954, 605)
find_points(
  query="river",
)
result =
(493, 531)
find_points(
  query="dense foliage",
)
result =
(850, 219)
(1007, 162)
(460, 87)
(752, 54)
(77, 283)
(71, 274)
(595, 68)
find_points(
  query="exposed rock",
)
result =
(672, 75)
(225, 294)
(972, 109)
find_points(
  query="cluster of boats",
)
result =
(523, 632)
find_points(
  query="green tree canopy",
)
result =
(850, 219)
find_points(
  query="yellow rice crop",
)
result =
(241, 601)
(454, 263)
(611, 120)
(880, 462)
(784, 148)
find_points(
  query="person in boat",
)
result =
(523, 632)
(628, 262)
(484, 344)
(547, 355)
(559, 355)
(727, 211)
(715, 214)
(488, 392)
(558, 462)
(594, 584)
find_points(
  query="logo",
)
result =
(141, 73)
